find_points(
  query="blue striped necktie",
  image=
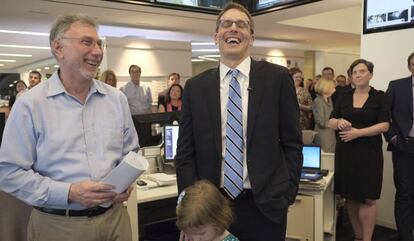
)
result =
(233, 158)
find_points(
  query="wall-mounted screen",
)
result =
(385, 15)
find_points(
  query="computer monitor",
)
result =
(311, 157)
(145, 126)
(170, 142)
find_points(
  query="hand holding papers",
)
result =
(122, 176)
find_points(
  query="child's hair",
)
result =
(203, 204)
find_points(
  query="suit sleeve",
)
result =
(185, 157)
(290, 134)
(392, 131)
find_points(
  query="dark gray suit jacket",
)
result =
(274, 140)
(401, 95)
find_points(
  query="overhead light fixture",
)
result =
(16, 55)
(23, 46)
(23, 32)
(202, 50)
(203, 43)
(197, 60)
(8, 60)
(211, 55)
(47, 68)
(56, 66)
(39, 70)
(11, 85)
(1, 64)
(209, 59)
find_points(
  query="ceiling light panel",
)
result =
(16, 55)
(24, 32)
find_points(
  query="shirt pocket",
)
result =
(113, 138)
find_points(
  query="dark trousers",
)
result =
(403, 160)
(251, 225)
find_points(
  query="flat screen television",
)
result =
(386, 15)
(264, 6)
(145, 126)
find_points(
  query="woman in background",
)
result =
(304, 98)
(21, 87)
(360, 115)
(322, 108)
(109, 77)
(173, 103)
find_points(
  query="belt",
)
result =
(246, 193)
(90, 212)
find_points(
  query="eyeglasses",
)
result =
(242, 24)
(89, 42)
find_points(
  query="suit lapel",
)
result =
(256, 83)
(213, 103)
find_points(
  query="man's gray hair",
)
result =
(63, 23)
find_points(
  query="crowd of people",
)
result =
(239, 145)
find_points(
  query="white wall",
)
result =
(340, 62)
(388, 51)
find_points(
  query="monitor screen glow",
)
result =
(311, 157)
(170, 141)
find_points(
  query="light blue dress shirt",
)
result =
(139, 98)
(52, 140)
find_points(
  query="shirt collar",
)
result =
(56, 87)
(243, 67)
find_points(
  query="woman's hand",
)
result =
(343, 124)
(349, 135)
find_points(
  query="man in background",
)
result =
(63, 137)
(400, 137)
(328, 73)
(34, 78)
(340, 80)
(139, 97)
(173, 78)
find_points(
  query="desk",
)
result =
(320, 216)
(313, 215)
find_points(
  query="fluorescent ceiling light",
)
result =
(211, 55)
(23, 46)
(202, 44)
(56, 66)
(24, 32)
(47, 68)
(1, 64)
(202, 50)
(16, 55)
(197, 60)
(8, 60)
(11, 85)
(39, 70)
(209, 59)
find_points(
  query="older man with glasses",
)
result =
(63, 137)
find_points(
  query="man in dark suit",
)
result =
(270, 153)
(401, 142)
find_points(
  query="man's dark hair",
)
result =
(176, 74)
(367, 63)
(233, 5)
(36, 72)
(410, 57)
(328, 68)
(132, 66)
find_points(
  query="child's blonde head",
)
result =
(203, 204)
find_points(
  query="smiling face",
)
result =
(175, 93)
(297, 78)
(78, 51)
(234, 41)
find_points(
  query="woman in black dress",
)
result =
(360, 116)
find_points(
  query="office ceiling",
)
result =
(328, 25)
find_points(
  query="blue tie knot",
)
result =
(234, 73)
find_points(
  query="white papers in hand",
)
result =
(130, 168)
